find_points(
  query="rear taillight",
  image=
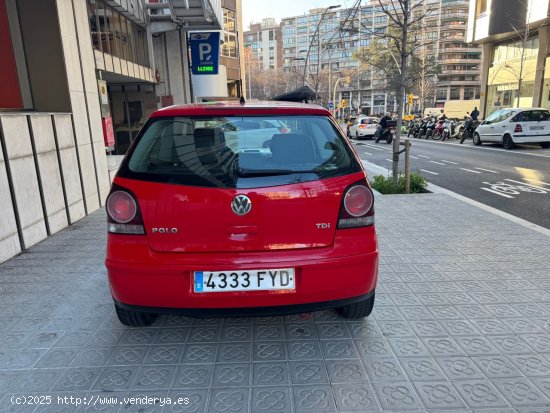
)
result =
(283, 130)
(357, 209)
(123, 215)
(518, 128)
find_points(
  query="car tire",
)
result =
(477, 139)
(360, 309)
(134, 318)
(545, 145)
(507, 142)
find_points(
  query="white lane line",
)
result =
(454, 163)
(374, 147)
(537, 182)
(366, 153)
(439, 163)
(469, 170)
(389, 160)
(526, 184)
(413, 157)
(498, 193)
(486, 170)
(429, 172)
(424, 156)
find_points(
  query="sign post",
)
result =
(205, 52)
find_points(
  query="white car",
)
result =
(515, 125)
(363, 127)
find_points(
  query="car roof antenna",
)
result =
(242, 101)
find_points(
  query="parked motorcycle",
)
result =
(470, 126)
(430, 128)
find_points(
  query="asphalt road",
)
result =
(515, 181)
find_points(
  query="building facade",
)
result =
(322, 39)
(515, 38)
(80, 79)
(265, 41)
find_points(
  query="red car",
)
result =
(230, 209)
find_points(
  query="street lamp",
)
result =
(316, 33)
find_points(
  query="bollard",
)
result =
(407, 166)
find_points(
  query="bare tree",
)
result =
(402, 39)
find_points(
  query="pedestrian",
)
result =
(475, 114)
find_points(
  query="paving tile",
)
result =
(271, 399)
(439, 395)
(204, 334)
(373, 347)
(476, 345)
(139, 336)
(364, 329)
(232, 375)
(268, 332)
(234, 400)
(538, 342)
(303, 350)
(512, 344)
(397, 396)
(422, 369)
(521, 392)
(270, 373)
(128, 355)
(297, 331)
(384, 369)
(314, 399)
(199, 353)
(458, 368)
(532, 364)
(268, 351)
(234, 352)
(355, 397)
(172, 336)
(164, 354)
(77, 379)
(338, 349)
(193, 376)
(408, 347)
(308, 372)
(480, 394)
(116, 378)
(442, 346)
(233, 333)
(332, 330)
(346, 371)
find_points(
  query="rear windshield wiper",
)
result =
(163, 164)
(270, 172)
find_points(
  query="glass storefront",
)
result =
(510, 72)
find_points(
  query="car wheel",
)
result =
(507, 142)
(545, 145)
(357, 310)
(134, 318)
(477, 139)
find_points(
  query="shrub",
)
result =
(386, 184)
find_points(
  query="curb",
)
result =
(373, 169)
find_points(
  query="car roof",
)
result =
(524, 109)
(236, 109)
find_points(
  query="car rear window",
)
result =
(239, 152)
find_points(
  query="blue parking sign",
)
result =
(330, 104)
(205, 52)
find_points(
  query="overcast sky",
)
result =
(256, 10)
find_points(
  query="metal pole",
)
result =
(334, 97)
(407, 166)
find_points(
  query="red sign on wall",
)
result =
(108, 132)
(10, 92)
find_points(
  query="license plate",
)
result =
(250, 280)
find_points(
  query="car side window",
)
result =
(527, 116)
(540, 115)
(365, 122)
(503, 116)
(544, 115)
(493, 116)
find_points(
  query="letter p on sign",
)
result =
(205, 51)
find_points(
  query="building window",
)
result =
(114, 34)
(481, 7)
(229, 47)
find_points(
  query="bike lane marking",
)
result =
(424, 156)
(498, 193)
(526, 184)
(486, 170)
(439, 163)
(429, 172)
(470, 170)
(451, 162)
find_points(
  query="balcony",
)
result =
(445, 61)
(444, 83)
(168, 15)
(463, 72)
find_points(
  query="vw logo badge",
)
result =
(241, 205)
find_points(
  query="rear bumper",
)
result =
(522, 138)
(168, 288)
(248, 311)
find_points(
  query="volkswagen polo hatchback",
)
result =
(229, 209)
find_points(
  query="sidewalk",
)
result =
(461, 323)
